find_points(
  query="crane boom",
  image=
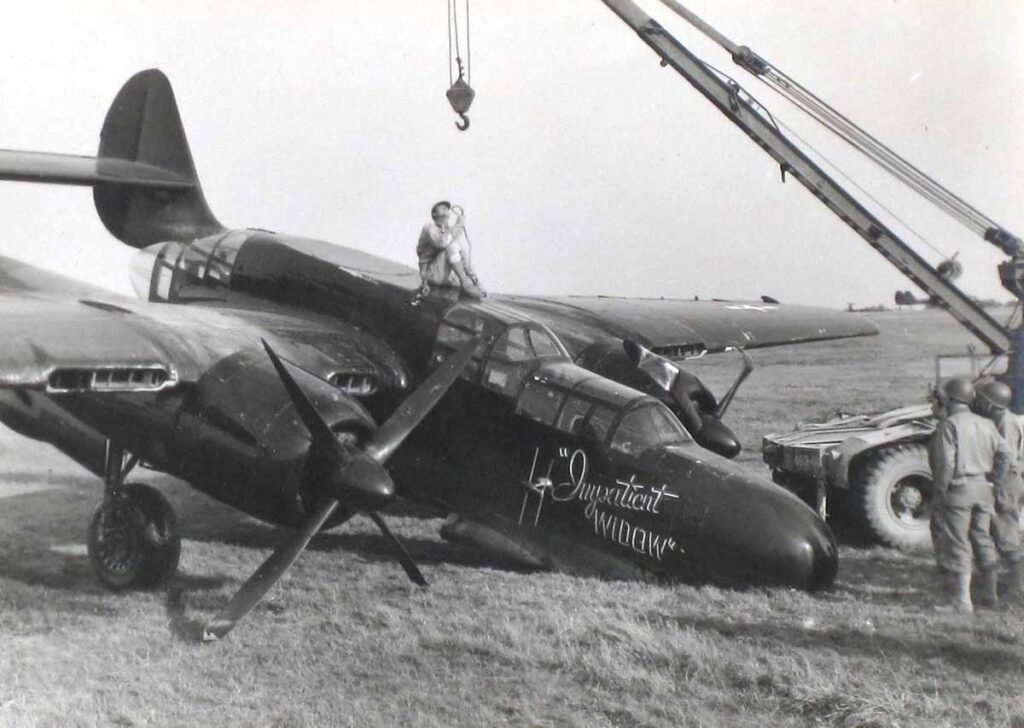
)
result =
(861, 140)
(729, 98)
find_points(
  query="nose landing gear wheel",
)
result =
(133, 538)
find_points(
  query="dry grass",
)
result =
(346, 640)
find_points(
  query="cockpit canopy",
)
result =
(523, 361)
(167, 271)
(580, 403)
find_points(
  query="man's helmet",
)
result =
(959, 389)
(995, 393)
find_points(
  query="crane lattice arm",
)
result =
(730, 99)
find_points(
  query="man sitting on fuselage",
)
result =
(444, 253)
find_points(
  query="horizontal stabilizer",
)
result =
(69, 169)
(143, 180)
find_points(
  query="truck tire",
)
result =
(892, 496)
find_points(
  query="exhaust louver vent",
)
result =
(110, 379)
(355, 384)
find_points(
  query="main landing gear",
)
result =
(133, 533)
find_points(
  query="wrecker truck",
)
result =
(878, 462)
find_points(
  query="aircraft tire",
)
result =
(891, 496)
(133, 539)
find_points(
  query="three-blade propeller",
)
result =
(355, 481)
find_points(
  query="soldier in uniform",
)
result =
(967, 455)
(993, 401)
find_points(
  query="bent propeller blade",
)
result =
(663, 371)
(748, 367)
(391, 434)
(403, 556)
(269, 572)
(318, 428)
(384, 442)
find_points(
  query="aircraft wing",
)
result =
(674, 328)
(678, 328)
(62, 335)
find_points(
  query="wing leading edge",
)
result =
(681, 328)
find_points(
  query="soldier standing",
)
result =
(993, 401)
(967, 456)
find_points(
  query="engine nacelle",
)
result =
(239, 439)
(693, 403)
(352, 360)
(609, 359)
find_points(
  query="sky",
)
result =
(588, 169)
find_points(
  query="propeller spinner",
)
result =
(356, 481)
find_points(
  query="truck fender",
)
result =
(841, 461)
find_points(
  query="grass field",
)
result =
(346, 640)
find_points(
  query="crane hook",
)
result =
(460, 96)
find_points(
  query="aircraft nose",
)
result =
(736, 528)
(802, 552)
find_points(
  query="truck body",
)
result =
(878, 461)
(871, 469)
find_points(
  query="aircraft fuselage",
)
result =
(544, 460)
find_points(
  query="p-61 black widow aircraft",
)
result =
(559, 432)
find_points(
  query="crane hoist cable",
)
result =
(949, 262)
(460, 94)
(952, 204)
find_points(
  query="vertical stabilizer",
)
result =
(143, 127)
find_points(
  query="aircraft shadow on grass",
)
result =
(205, 520)
(202, 519)
(904, 581)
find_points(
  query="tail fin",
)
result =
(143, 126)
(144, 183)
